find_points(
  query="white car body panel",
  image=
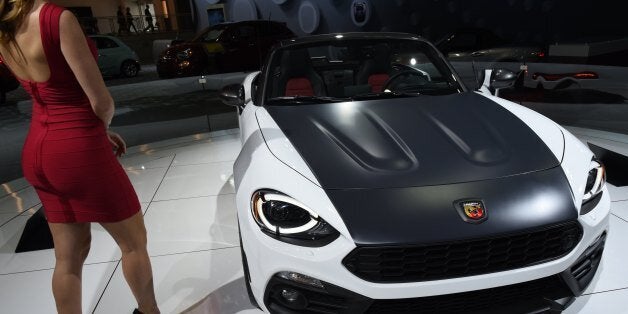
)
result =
(281, 147)
(577, 157)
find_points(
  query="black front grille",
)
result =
(518, 298)
(463, 258)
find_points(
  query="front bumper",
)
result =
(569, 275)
(553, 293)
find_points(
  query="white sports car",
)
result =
(371, 180)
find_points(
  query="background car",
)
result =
(8, 82)
(115, 58)
(363, 186)
(226, 47)
(483, 45)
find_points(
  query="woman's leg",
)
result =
(72, 242)
(130, 234)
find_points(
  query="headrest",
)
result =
(295, 62)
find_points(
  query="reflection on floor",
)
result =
(186, 189)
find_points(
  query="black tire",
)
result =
(129, 68)
(3, 97)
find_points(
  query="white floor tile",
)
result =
(142, 162)
(615, 146)
(169, 142)
(620, 209)
(146, 182)
(19, 201)
(613, 273)
(618, 193)
(601, 303)
(214, 149)
(13, 186)
(226, 150)
(229, 299)
(224, 132)
(192, 224)
(182, 280)
(103, 249)
(29, 212)
(153, 148)
(4, 218)
(196, 180)
(10, 262)
(31, 292)
(598, 134)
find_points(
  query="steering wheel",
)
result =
(396, 82)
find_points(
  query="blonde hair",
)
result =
(12, 15)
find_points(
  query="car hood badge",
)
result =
(472, 210)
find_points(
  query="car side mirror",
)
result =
(492, 80)
(233, 95)
(503, 78)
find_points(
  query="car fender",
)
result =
(574, 156)
(575, 164)
(281, 147)
(256, 167)
(547, 130)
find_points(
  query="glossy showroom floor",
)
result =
(186, 189)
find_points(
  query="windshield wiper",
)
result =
(381, 95)
(297, 100)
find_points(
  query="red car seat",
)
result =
(297, 76)
(375, 70)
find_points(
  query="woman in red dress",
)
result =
(68, 156)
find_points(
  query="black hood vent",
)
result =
(411, 142)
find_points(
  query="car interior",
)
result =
(345, 71)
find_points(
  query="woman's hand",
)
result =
(117, 142)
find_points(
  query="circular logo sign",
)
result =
(360, 12)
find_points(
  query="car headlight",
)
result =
(593, 189)
(288, 220)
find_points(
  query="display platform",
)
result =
(187, 194)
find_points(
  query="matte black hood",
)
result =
(411, 142)
(418, 215)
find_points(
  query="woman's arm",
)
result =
(78, 55)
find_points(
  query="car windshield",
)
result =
(352, 69)
(210, 34)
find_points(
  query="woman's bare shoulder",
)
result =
(68, 20)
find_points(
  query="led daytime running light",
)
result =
(260, 198)
(600, 181)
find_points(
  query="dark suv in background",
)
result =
(226, 47)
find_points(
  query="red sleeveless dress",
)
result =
(67, 155)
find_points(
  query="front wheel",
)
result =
(129, 68)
